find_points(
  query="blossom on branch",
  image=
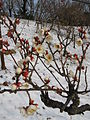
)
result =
(57, 46)
(48, 37)
(71, 73)
(39, 49)
(41, 32)
(48, 58)
(18, 70)
(79, 42)
(31, 109)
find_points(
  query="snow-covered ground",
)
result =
(10, 103)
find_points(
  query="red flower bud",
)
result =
(5, 43)
(46, 52)
(82, 67)
(78, 68)
(31, 101)
(84, 32)
(59, 91)
(80, 30)
(83, 57)
(24, 63)
(76, 56)
(53, 87)
(3, 50)
(36, 105)
(31, 58)
(26, 42)
(9, 34)
(18, 84)
(88, 44)
(47, 81)
(75, 78)
(36, 38)
(25, 73)
(33, 49)
(22, 40)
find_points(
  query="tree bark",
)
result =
(56, 104)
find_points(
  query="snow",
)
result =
(10, 103)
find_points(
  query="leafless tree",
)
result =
(3, 67)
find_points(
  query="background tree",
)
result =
(1, 41)
(19, 8)
(63, 13)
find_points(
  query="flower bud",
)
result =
(25, 85)
(79, 42)
(71, 73)
(41, 32)
(18, 71)
(13, 86)
(27, 58)
(31, 109)
(49, 38)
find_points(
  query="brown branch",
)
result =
(33, 68)
(37, 73)
(28, 96)
(83, 92)
(53, 57)
(30, 89)
(86, 79)
(81, 62)
(56, 104)
(52, 74)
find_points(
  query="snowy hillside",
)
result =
(10, 104)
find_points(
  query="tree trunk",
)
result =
(31, 9)
(1, 54)
(10, 8)
(10, 12)
(24, 8)
(71, 110)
